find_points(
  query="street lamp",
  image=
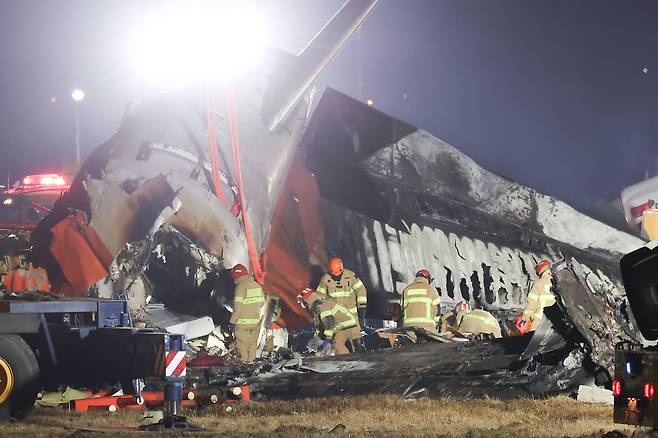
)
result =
(77, 95)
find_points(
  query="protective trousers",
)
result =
(341, 338)
(246, 342)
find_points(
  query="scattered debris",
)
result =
(593, 394)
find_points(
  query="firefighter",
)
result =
(345, 287)
(246, 318)
(333, 321)
(475, 321)
(421, 303)
(540, 297)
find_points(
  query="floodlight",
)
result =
(77, 95)
(198, 42)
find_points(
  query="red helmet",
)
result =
(462, 306)
(303, 295)
(238, 271)
(522, 325)
(424, 273)
(335, 266)
(542, 266)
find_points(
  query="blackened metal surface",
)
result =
(397, 199)
(640, 274)
(468, 369)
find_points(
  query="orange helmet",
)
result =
(542, 266)
(424, 273)
(462, 306)
(522, 325)
(335, 266)
(238, 271)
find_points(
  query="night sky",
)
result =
(550, 94)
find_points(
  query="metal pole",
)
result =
(77, 134)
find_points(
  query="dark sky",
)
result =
(551, 94)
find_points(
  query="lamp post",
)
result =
(77, 95)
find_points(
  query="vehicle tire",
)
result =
(19, 376)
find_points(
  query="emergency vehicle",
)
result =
(30, 199)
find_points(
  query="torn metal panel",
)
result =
(190, 326)
(89, 226)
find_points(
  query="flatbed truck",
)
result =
(47, 342)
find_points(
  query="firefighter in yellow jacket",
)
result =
(470, 321)
(421, 303)
(540, 297)
(333, 321)
(246, 317)
(346, 288)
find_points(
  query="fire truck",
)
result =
(24, 204)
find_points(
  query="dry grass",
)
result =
(355, 416)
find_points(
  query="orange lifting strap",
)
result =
(257, 269)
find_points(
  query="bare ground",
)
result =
(352, 416)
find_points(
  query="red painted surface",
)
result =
(80, 253)
(296, 240)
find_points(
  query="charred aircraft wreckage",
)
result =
(167, 204)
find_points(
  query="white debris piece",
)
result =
(594, 394)
(191, 326)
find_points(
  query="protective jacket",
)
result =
(333, 321)
(246, 317)
(478, 321)
(328, 315)
(249, 299)
(348, 291)
(420, 305)
(540, 296)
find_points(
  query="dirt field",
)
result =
(356, 416)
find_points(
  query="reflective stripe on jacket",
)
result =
(329, 316)
(420, 305)
(540, 296)
(249, 299)
(478, 321)
(348, 291)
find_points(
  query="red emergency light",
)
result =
(44, 180)
(640, 209)
(616, 388)
(647, 390)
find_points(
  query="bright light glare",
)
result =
(77, 95)
(198, 41)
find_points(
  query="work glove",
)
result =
(362, 316)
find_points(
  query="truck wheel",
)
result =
(19, 376)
